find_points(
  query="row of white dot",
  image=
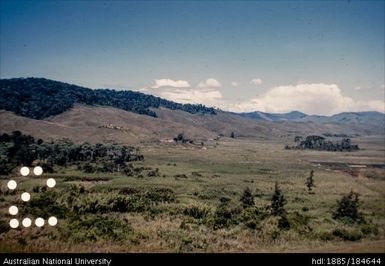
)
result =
(12, 184)
(24, 171)
(39, 222)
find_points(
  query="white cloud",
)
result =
(209, 97)
(310, 98)
(206, 92)
(210, 83)
(256, 81)
(170, 83)
(319, 98)
(234, 83)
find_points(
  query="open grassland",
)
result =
(191, 204)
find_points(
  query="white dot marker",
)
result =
(12, 184)
(52, 221)
(24, 171)
(51, 182)
(37, 170)
(13, 210)
(25, 196)
(39, 222)
(26, 222)
(14, 223)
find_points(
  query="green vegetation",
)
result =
(310, 181)
(182, 139)
(278, 202)
(185, 199)
(319, 143)
(18, 149)
(348, 208)
(39, 98)
(247, 198)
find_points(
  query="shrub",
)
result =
(351, 235)
(4, 226)
(347, 210)
(369, 229)
(283, 223)
(252, 217)
(45, 204)
(225, 216)
(325, 236)
(197, 211)
(97, 227)
(247, 198)
(278, 202)
(310, 182)
(157, 195)
(299, 222)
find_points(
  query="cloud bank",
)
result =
(310, 98)
(170, 83)
(256, 81)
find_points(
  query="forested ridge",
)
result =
(39, 98)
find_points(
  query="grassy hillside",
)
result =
(106, 124)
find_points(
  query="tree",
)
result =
(232, 135)
(297, 139)
(247, 198)
(348, 207)
(310, 182)
(278, 202)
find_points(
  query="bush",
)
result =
(197, 211)
(369, 229)
(299, 222)
(96, 227)
(325, 236)
(124, 201)
(347, 210)
(225, 216)
(247, 198)
(45, 204)
(4, 226)
(278, 202)
(351, 235)
(252, 217)
(310, 182)
(283, 223)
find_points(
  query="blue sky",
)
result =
(323, 56)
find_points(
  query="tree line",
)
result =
(17, 149)
(315, 142)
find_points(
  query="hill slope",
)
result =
(39, 98)
(108, 124)
(49, 109)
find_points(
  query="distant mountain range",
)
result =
(39, 98)
(372, 118)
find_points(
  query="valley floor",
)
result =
(193, 219)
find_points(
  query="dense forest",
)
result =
(315, 142)
(17, 149)
(39, 98)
